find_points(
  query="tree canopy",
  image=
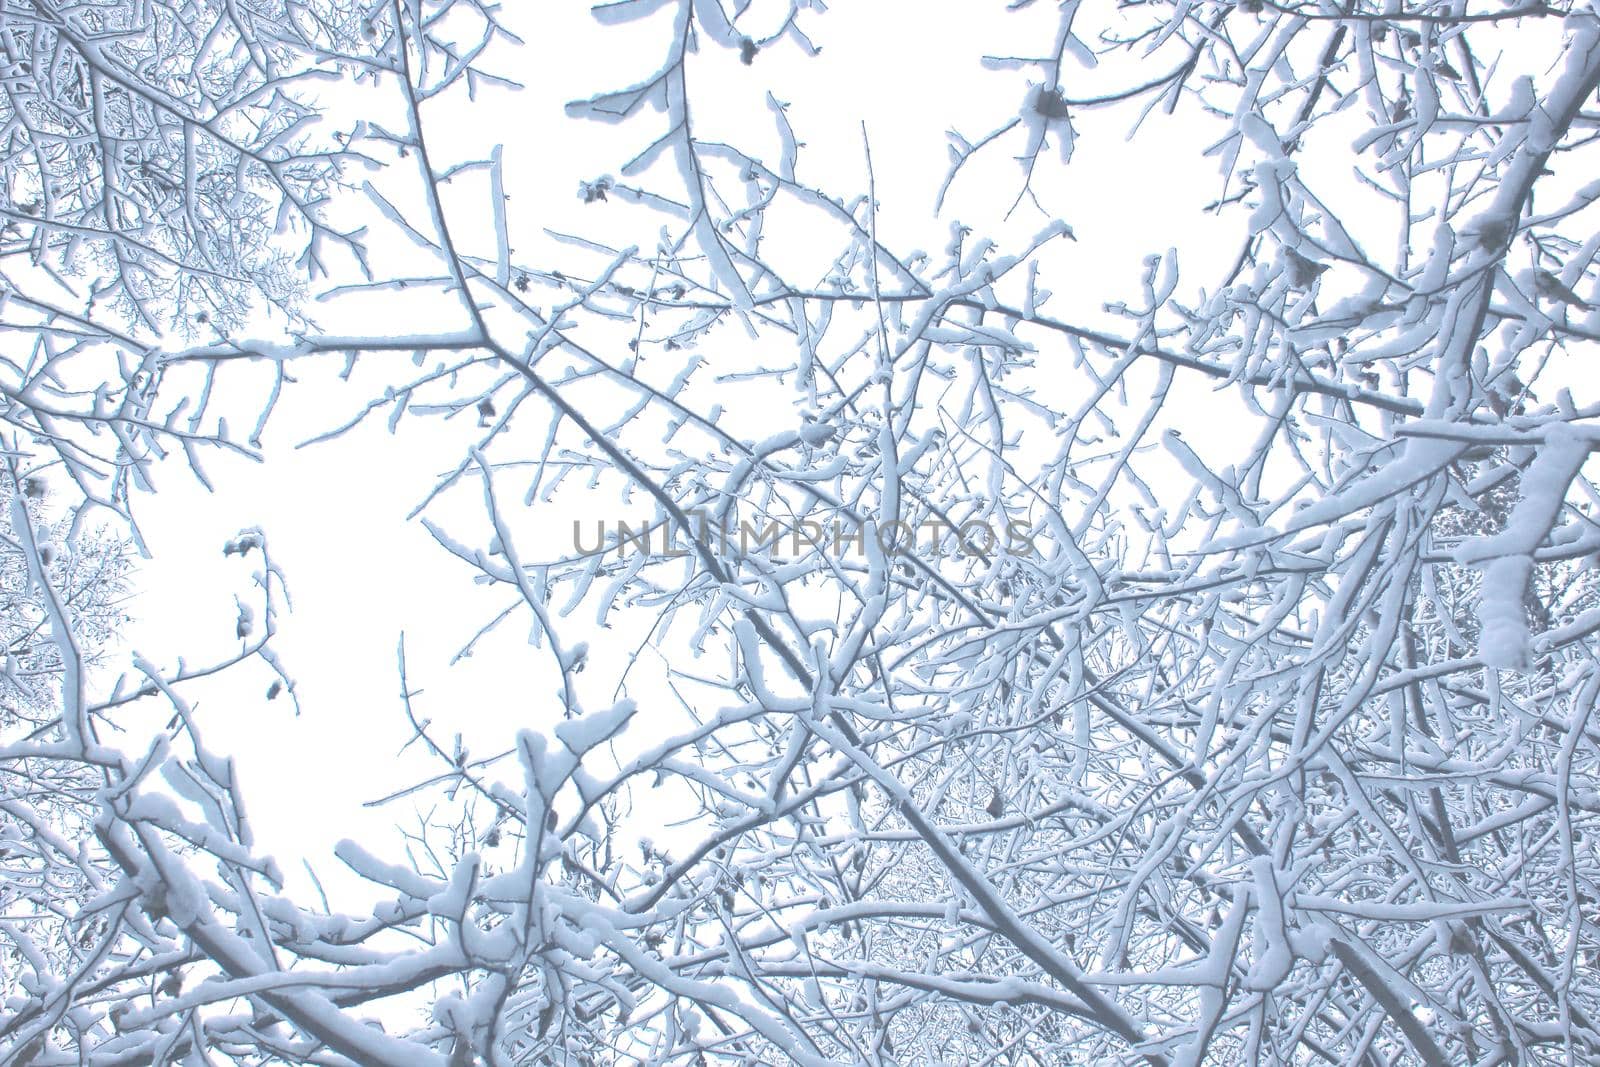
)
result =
(1193, 667)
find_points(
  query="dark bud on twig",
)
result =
(1492, 231)
(485, 411)
(155, 903)
(242, 546)
(747, 51)
(1050, 103)
(521, 283)
(996, 805)
(589, 192)
(33, 488)
(273, 690)
(1552, 288)
(1303, 272)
